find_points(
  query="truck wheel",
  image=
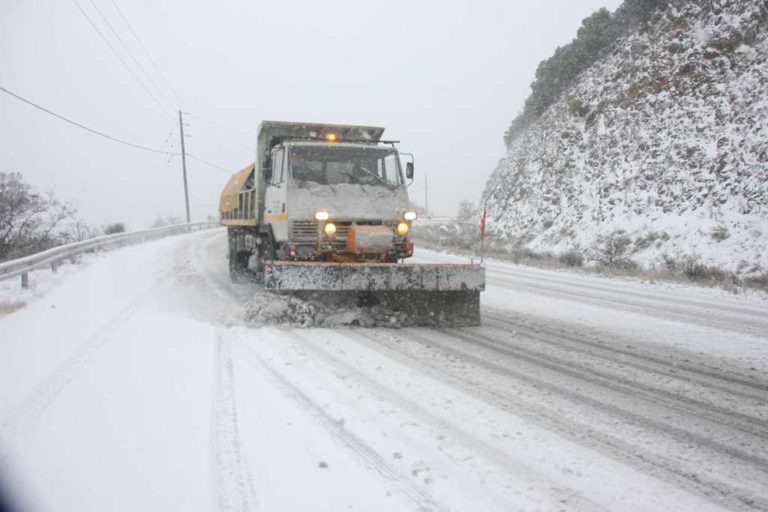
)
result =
(238, 260)
(238, 266)
(266, 251)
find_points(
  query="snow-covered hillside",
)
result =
(666, 138)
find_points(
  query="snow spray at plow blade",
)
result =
(365, 309)
(384, 294)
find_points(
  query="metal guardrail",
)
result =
(22, 266)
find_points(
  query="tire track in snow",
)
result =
(370, 457)
(358, 446)
(571, 368)
(699, 307)
(235, 490)
(468, 440)
(29, 411)
(751, 325)
(716, 379)
(659, 466)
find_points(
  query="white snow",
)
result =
(136, 383)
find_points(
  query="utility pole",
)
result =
(184, 166)
(426, 195)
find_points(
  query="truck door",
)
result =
(275, 197)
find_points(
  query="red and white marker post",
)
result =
(482, 232)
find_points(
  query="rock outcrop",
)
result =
(664, 138)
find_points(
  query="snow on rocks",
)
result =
(670, 147)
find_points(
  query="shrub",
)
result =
(77, 231)
(117, 227)
(577, 108)
(694, 270)
(9, 306)
(644, 242)
(572, 258)
(611, 249)
(167, 220)
(759, 280)
(720, 233)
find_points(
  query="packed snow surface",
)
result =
(136, 381)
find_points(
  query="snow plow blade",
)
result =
(438, 294)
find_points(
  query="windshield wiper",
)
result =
(382, 180)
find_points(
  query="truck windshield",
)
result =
(335, 165)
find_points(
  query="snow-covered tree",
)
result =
(29, 220)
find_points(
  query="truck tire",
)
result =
(238, 260)
(266, 251)
(238, 266)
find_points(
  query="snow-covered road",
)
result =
(135, 384)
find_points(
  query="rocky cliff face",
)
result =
(665, 138)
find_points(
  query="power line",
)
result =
(209, 164)
(121, 59)
(102, 134)
(230, 145)
(146, 52)
(96, 132)
(221, 126)
(130, 54)
(220, 137)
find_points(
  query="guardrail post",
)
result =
(54, 267)
(24, 280)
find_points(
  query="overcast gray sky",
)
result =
(445, 78)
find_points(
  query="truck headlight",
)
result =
(409, 215)
(330, 229)
(322, 215)
(402, 229)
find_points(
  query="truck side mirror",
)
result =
(409, 170)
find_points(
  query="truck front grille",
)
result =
(304, 231)
(342, 231)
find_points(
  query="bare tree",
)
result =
(78, 230)
(166, 220)
(467, 218)
(28, 220)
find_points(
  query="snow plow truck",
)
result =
(324, 208)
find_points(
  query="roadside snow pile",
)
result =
(333, 309)
(662, 141)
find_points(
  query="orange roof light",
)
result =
(330, 137)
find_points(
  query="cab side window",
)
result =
(388, 169)
(278, 159)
